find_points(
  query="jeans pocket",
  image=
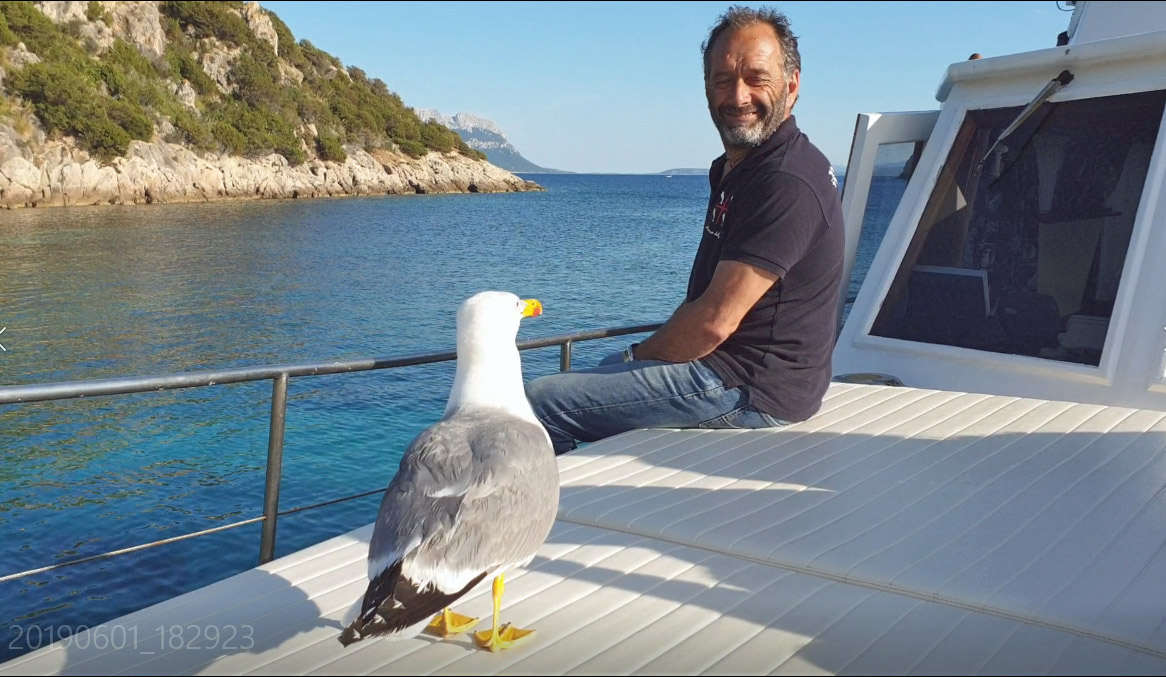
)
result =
(704, 377)
(742, 418)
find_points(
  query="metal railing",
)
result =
(279, 376)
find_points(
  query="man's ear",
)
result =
(793, 86)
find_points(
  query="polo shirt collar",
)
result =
(787, 130)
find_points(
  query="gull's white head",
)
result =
(489, 371)
(491, 318)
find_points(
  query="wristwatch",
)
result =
(629, 353)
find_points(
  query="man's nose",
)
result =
(741, 96)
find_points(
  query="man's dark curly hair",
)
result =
(738, 17)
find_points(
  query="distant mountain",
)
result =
(686, 171)
(482, 134)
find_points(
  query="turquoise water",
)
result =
(104, 292)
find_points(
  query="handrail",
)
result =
(194, 379)
(279, 375)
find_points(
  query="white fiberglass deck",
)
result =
(899, 531)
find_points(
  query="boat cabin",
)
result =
(1020, 260)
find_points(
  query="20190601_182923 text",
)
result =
(160, 639)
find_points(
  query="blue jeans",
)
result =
(586, 405)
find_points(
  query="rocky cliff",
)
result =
(195, 110)
(40, 172)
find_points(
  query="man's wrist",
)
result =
(629, 353)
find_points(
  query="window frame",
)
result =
(872, 131)
(904, 226)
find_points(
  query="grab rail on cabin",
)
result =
(279, 376)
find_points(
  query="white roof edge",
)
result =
(1102, 51)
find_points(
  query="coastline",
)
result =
(56, 173)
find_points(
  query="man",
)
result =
(750, 346)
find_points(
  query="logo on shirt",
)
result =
(715, 224)
(833, 178)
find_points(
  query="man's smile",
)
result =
(737, 115)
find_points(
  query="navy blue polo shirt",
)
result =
(777, 210)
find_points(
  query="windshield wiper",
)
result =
(1044, 95)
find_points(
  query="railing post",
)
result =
(565, 356)
(274, 468)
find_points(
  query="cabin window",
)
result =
(1022, 251)
(894, 164)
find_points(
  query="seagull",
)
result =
(475, 495)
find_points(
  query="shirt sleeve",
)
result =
(774, 223)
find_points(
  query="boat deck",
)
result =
(898, 531)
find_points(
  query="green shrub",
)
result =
(257, 78)
(7, 37)
(184, 67)
(317, 57)
(436, 136)
(31, 26)
(288, 48)
(262, 130)
(210, 19)
(312, 108)
(96, 12)
(328, 148)
(410, 147)
(66, 103)
(72, 27)
(192, 131)
(127, 58)
(172, 29)
(114, 79)
(55, 92)
(289, 147)
(228, 138)
(131, 118)
(103, 138)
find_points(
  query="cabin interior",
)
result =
(1021, 245)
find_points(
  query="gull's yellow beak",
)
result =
(533, 308)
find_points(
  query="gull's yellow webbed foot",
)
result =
(447, 624)
(497, 639)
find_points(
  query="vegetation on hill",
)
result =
(106, 97)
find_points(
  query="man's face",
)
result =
(748, 94)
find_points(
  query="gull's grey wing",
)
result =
(424, 496)
(510, 498)
(471, 490)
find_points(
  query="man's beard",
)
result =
(749, 135)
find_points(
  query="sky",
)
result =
(612, 87)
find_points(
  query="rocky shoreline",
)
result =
(58, 174)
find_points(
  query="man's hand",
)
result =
(697, 328)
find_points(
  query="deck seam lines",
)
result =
(928, 597)
(887, 490)
(802, 469)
